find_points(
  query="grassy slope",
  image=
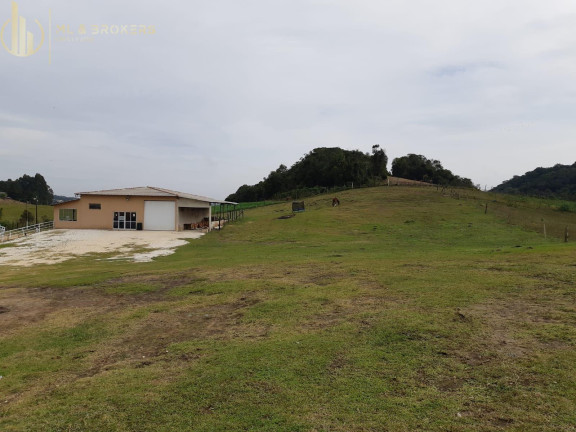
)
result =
(400, 310)
(12, 210)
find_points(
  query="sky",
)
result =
(208, 95)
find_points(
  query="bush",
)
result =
(26, 218)
(566, 207)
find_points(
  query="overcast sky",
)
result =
(218, 93)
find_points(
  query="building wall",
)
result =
(103, 218)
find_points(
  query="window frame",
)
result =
(73, 217)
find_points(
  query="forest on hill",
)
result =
(418, 167)
(322, 168)
(28, 189)
(558, 181)
(329, 167)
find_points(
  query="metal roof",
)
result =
(150, 191)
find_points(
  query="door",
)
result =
(124, 220)
(159, 215)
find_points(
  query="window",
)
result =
(95, 206)
(68, 215)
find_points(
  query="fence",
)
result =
(24, 231)
(224, 215)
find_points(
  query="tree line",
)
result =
(28, 189)
(328, 167)
(420, 168)
(319, 169)
(558, 181)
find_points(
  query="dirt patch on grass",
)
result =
(509, 329)
(148, 341)
(25, 306)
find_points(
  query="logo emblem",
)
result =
(22, 43)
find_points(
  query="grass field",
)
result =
(242, 206)
(12, 210)
(401, 310)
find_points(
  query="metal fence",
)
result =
(24, 231)
(225, 215)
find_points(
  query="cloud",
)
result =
(224, 92)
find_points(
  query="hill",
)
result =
(315, 172)
(403, 309)
(11, 212)
(558, 181)
(62, 198)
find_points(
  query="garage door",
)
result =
(159, 215)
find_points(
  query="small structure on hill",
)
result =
(298, 206)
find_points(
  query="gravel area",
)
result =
(51, 247)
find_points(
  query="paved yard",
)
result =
(56, 246)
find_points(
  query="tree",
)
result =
(420, 168)
(558, 181)
(28, 188)
(379, 161)
(26, 218)
(323, 167)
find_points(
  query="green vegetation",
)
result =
(558, 181)
(244, 205)
(314, 173)
(403, 309)
(27, 189)
(541, 215)
(418, 167)
(12, 213)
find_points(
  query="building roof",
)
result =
(149, 191)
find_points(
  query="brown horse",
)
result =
(335, 202)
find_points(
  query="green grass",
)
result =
(552, 216)
(243, 206)
(401, 310)
(12, 210)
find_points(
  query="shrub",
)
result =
(566, 207)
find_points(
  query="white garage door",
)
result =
(159, 215)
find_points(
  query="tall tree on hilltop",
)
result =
(379, 161)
